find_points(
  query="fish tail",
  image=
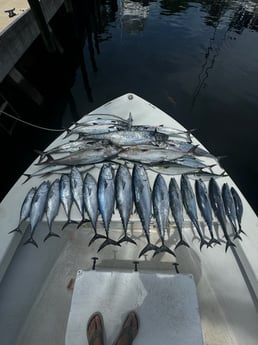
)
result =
(237, 236)
(82, 222)
(107, 242)
(28, 176)
(15, 230)
(126, 238)
(213, 240)
(95, 237)
(182, 243)
(42, 155)
(203, 242)
(163, 248)
(51, 234)
(69, 221)
(240, 231)
(229, 244)
(32, 241)
(49, 159)
(147, 248)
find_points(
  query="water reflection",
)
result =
(133, 15)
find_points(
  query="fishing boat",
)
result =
(207, 296)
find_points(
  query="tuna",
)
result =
(176, 206)
(190, 206)
(142, 200)
(219, 210)
(161, 211)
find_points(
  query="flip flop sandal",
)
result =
(128, 330)
(98, 333)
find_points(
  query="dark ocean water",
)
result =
(197, 61)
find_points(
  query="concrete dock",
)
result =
(19, 6)
(18, 32)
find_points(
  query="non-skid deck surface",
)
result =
(166, 305)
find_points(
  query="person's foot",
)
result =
(95, 329)
(129, 330)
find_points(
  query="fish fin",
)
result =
(147, 248)
(95, 237)
(51, 234)
(163, 249)
(107, 242)
(15, 230)
(69, 221)
(126, 238)
(182, 243)
(229, 244)
(32, 241)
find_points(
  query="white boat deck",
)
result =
(36, 283)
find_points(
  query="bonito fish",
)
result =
(52, 206)
(124, 198)
(190, 206)
(90, 198)
(127, 137)
(25, 209)
(77, 192)
(161, 211)
(69, 147)
(106, 200)
(230, 209)
(90, 156)
(149, 154)
(66, 197)
(239, 208)
(219, 210)
(203, 202)
(142, 199)
(83, 130)
(37, 209)
(176, 206)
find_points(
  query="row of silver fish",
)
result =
(124, 189)
(112, 138)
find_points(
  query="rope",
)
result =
(31, 124)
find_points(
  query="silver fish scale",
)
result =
(176, 203)
(203, 202)
(188, 196)
(53, 202)
(229, 205)
(77, 188)
(124, 196)
(161, 204)
(142, 196)
(66, 193)
(26, 205)
(106, 194)
(90, 198)
(131, 137)
(38, 204)
(238, 204)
